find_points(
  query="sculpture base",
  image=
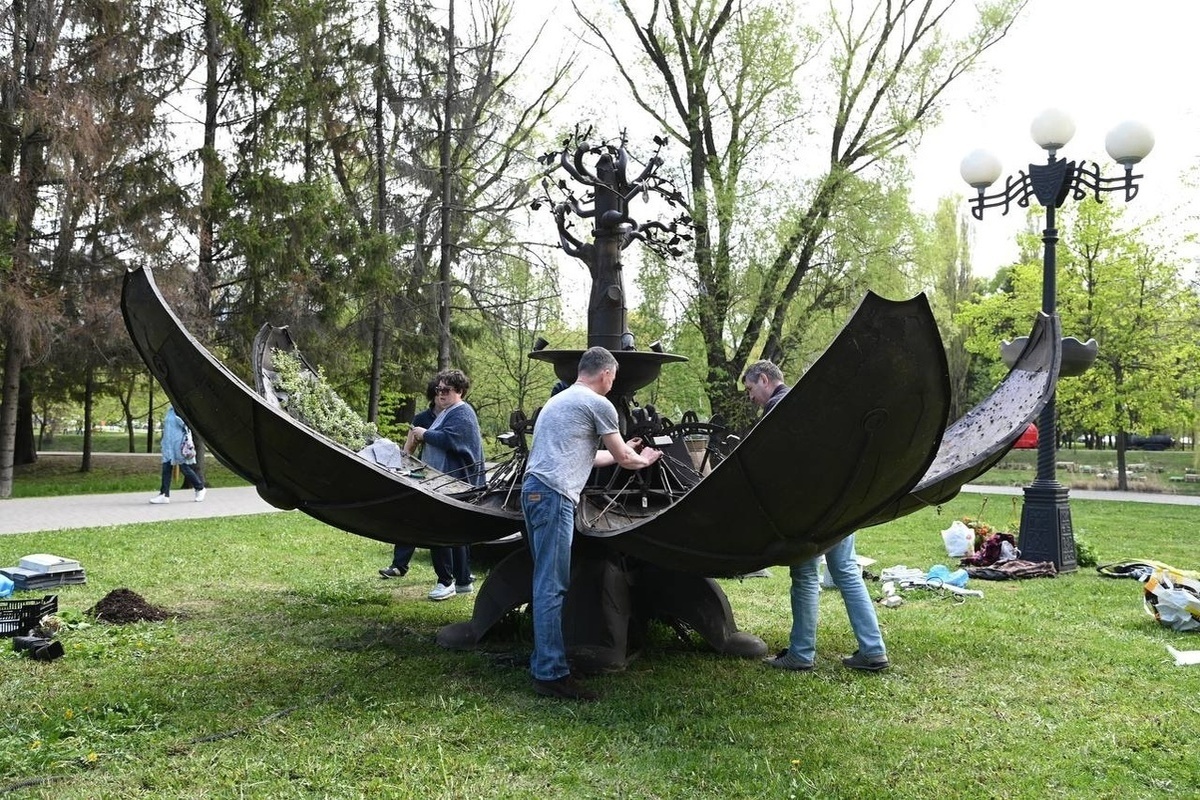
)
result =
(607, 608)
(1046, 531)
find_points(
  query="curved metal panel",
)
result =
(859, 440)
(851, 438)
(974, 443)
(292, 465)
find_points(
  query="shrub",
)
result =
(311, 400)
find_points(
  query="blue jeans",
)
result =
(549, 528)
(847, 576)
(189, 472)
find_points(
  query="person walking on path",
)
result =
(564, 450)
(453, 445)
(765, 387)
(177, 451)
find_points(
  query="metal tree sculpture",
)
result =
(606, 202)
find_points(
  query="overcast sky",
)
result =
(1101, 61)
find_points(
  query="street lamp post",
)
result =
(1046, 533)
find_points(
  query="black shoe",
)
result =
(38, 648)
(392, 572)
(565, 688)
(785, 660)
(860, 662)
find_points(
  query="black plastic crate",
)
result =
(19, 617)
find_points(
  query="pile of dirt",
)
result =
(121, 606)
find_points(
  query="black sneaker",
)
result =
(785, 660)
(861, 662)
(392, 572)
(564, 688)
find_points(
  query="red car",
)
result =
(1028, 439)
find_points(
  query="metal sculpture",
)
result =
(609, 191)
(859, 440)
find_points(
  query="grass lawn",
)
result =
(58, 474)
(1148, 470)
(290, 670)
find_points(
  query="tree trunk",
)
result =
(150, 418)
(89, 394)
(13, 358)
(444, 164)
(1122, 476)
(376, 366)
(380, 222)
(206, 272)
(25, 446)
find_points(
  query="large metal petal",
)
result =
(851, 438)
(292, 465)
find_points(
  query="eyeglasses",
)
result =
(443, 390)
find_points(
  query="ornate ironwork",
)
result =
(1051, 183)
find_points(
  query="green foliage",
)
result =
(311, 400)
(503, 377)
(781, 249)
(1085, 551)
(943, 262)
(1118, 288)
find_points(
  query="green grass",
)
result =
(102, 442)
(1096, 469)
(292, 671)
(57, 475)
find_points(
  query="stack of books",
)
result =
(42, 570)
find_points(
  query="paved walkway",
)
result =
(29, 515)
(1092, 494)
(32, 514)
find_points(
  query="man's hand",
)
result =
(632, 454)
(640, 447)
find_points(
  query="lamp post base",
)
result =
(1046, 532)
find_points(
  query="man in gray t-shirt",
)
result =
(566, 436)
(569, 428)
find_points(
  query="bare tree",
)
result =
(723, 79)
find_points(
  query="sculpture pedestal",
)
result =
(610, 601)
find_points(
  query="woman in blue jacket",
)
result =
(453, 446)
(174, 434)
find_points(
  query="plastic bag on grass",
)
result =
(1173, 600)
(958, 539)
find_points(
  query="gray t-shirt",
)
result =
(566, 436)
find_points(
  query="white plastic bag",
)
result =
(959, 539)
(1173, 599)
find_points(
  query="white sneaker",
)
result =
(200, 495)
(162, 498)
(441, 592)
(464, 588)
